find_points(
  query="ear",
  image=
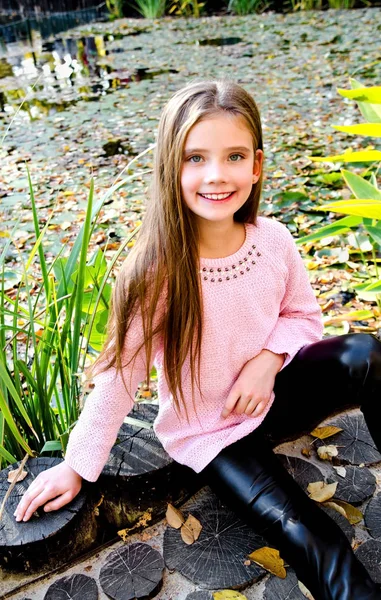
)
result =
(257, 167)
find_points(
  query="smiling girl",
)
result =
(218, 299)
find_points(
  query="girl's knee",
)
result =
(361, 354)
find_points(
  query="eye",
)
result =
(195, 159)
(236, 157)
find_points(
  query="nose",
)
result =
(216, 172)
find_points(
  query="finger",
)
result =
(243, 403)
(41, 499)
(259, 408)
(251, 406)
(31, 493)
(229, 404)
(60, 501)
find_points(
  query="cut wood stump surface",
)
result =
(216, 560)
(354, 444)
(39, 542)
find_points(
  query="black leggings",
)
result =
(323, 379)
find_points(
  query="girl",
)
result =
(219, 300)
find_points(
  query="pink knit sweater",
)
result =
(258, 298)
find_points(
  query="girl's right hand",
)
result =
(60, 482)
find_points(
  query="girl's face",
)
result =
(218, 168)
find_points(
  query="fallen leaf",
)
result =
(304, 591)
(325, 432)
(228, 595)
(12, 475)
(327, 452)
(320, 491)
(353, 514)
(336, 507)
(175, 517)
(142, 522)
(191, 529)
(306, 452)
(341, 471)
(269, 559)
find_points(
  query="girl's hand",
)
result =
(60, 482)
(252, 390)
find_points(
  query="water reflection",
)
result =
(62, 72)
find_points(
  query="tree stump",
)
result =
(355, 444)
(46, 540)
(134, 571)
(75, 587)
(372, 516)
(217, 559)
(358, 485)
(277, 588)
(369, 553)
(301, 470)
(140, 478)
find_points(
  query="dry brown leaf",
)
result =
(336, 507)
(327, 452)
(306, 452)
(304, 591)
(175, 517)
(324, 432)
(191, 530)
(269, 559)
(353, 514)
(320, 491)
(12, 475)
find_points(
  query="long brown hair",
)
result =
(165, 258)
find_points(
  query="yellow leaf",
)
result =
(4, 234)
(269, 559)
(228, 595)
(350, 157)
(142, 522)
(336, 507)
(368, 129)
(12, 475)
(364, 94)
(327, 452)
(320, 491)
(325, 432)
(353, 514)
(175, 517)
(68, 193)
(190, 530)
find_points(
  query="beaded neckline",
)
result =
(235, 265)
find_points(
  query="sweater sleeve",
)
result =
(300, 319)
(106, 406)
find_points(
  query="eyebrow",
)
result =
(231, 149)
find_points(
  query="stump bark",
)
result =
(46, 540)
(369, 553)
(140, 478)
(372, 517)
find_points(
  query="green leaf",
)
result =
(362, 208)
(363, 94)
(51, 446)
(360, 187)
(351, 157)
(368, 129)
(370, 112)
(340, 226)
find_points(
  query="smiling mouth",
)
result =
(217, 197)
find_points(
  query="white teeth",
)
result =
(216, 196)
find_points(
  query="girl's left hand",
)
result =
(252, 390)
